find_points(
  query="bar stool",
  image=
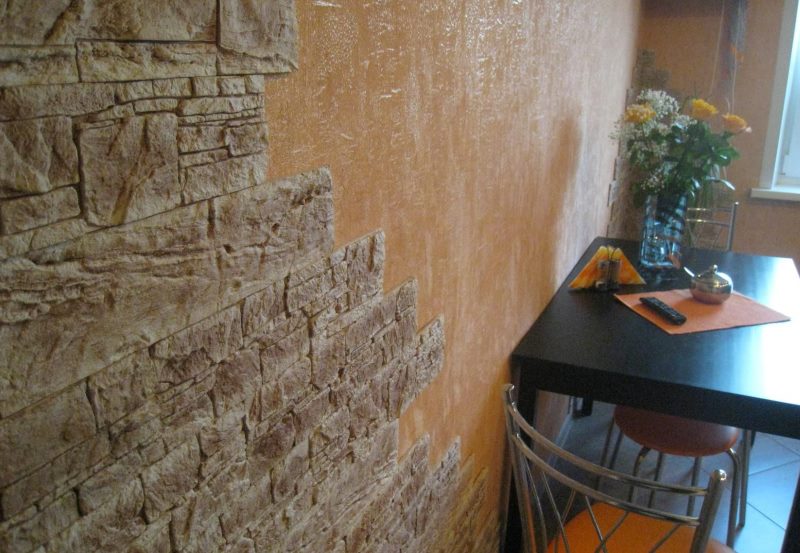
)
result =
(672, 435)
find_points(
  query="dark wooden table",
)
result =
(589, 344)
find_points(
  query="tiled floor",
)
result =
(774, 470)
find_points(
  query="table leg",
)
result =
(791, 541)
(587, 404)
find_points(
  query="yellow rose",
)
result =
(639, 113)
(734, 124)
(702, 110)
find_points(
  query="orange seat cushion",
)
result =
(674, 435)
(638, 534)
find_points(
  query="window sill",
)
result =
(784, 193)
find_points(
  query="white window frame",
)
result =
(771, 185)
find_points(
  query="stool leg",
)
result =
(606, 447)
(607, 443)
(735, 488)
(636, 466)
(695, 476)
(659, 469)
(616, 451)
(747, 446)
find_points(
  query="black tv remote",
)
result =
(656, 305)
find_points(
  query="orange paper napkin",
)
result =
(738, 310)
(591, 272)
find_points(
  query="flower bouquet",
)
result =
(673, 156)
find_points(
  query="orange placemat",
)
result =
(738, 310)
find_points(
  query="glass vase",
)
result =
(662, 231)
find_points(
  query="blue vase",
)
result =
(662, 231)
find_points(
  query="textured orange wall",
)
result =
(475, 133)
(683, 34)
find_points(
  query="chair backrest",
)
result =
(559, 496)
(711, 217)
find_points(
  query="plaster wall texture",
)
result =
(187, 363)
(476, 134)
(673, 29)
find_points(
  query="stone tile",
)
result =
(154, 539)
(216, 179)
(109, 482)
(220, 104)
(127, 61)
(123, 387)
(20, 537)
(30, 22)
(124, 111)
(29, 212)
(286, 475)
(235, 86)
(155, 104)
(134, 90)
(309, 414)
(254, 84)
(278, 357)
(37, 155)
(61, 21)
(205, 86)
(327, 358)
(42, 237)
(221, 117)
(246, 139)
(130, 168)
(193, 350)
(202, 158)
(262, 308)
(238, 381)
(113, 525)
(196, 138)
(167, 481)
(273, 444)
(40, 434)
(37, 65)
(259, 38)
(141, 429)
(174, 88)
(228, 450)
(56, 477)
(27, 102)
(365, 261)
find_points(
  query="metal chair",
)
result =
(711, 217)
(671, 435)
(561, 511)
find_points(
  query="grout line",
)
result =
(782, 465)
(763, 514)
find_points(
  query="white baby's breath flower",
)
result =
(662, 103)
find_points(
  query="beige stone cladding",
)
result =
(186, 364)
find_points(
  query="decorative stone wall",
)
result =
(185, 364)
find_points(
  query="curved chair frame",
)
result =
(533, 475)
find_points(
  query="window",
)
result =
(780, 174)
